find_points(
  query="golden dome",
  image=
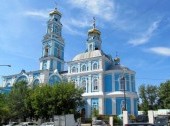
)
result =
(117, 59)
(94, 30)
(55, 11)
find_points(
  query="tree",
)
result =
(17, 100)
(164, 95)
(4, 110)
(148, 97)
(61, 98)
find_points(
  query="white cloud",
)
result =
(37, 13)
(69, 30)
(160, 50)
(102, 8)
(144, 38)
(78, 23)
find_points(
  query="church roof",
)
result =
(87, 55)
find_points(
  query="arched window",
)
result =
(73, 69)
(95, 85)
(83, 68)
(84, 85)
(36, 82)
(122, 83)
(46, 51)
(22, 78)
(54, 79)
(95, 66)
(90, 48)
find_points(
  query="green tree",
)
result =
(148, 97)
(4, 110)
(164, 95)
(17, 100)
(61, 98)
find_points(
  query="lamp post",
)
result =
(6, 65)
(124, 90)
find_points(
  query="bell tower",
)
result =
(53, 44)
(94, 39)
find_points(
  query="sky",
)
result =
(138, 30)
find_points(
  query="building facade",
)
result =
(108, 86)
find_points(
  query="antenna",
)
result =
(116, 54)
(55, 2)
(94, 23)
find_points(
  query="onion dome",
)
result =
(117, 60)
(94, 29)
(55, 11)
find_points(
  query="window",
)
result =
(22, 78)
(58, 52)
(44, 65)
(73, 69)
(46, 51)
(90, 48)
(54, 79)
(95, 84)
(94, 104)
(36, 82)
(83, 68)
(84, 85)
(95, 66)
(122, 83)
(123, 106)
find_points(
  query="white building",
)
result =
(101, 76)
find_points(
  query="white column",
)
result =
(78, 66)
(100, 82)
(90, 83)
(101, 106)
(111, 120)
(125, 118)
(89, 66)
(151, 116)
(114, 106)
(88, 107)
(113, 82)
(100, 64)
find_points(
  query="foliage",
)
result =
(149, 97)
(4, 110)
(95, 112)
(16, 100)
(41, 101)
(164, 95)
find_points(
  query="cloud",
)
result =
(144, 38)
(78, 23)
(102, 8)
(37, 13)
(69, 30)
(160, 50)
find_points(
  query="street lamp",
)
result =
(123, 82)
(6, 65)
(124, 89)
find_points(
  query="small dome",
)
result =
(94, 30)
(117, 60)
(55, 11)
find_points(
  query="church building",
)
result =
(108, 86)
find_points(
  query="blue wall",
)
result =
(58, 66)
(119, 106)
(108, 83)
(107, 65)
(108, 106)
